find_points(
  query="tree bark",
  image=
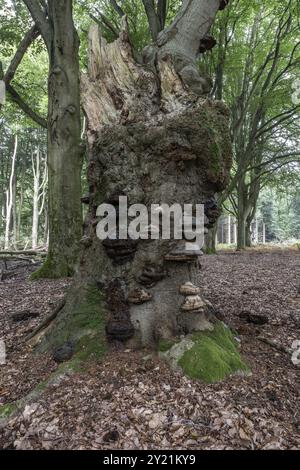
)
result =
(64, 149)
(211, 240)
(9, 197)
(241, 232)
(248, 241)
(153, 19)
(155, 137)
(14, 212)
(36, 190)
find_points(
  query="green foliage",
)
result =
(281, 211)
(213, 357)
(30, 80)
(255, 64)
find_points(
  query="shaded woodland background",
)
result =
(255, 68)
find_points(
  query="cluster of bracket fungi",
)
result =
(193, 301)
(119, 326)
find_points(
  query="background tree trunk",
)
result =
(9, 197)
(248, 241)
(14, 212)
(36, 190)
(64, 149)
(211, 239)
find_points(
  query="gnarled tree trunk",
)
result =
(154, 137)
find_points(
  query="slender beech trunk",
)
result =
(14, 212)
(211, 240)
(46, 226)
(36, 191)
(241, 232)
(248, 241)
(9, 197)
(248, 193)
(64, 149)
(241, 216)
(21, 201)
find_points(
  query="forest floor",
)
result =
(131, 400)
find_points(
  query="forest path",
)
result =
(130, 400)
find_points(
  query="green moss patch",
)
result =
(82, 322)
(213, 356)
(53, 270)
(166, 344)
(7, 410)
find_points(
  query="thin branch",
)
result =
(40, 19)
(26, 42)
(46, 322)
(275, 159)
(25, 107)
(285, 116)
(106, 23)
(162, 7)
(153, 20)
(117, 8)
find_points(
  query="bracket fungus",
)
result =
(139, 296)
(189, 289)
(193, 303)
(184, 252)
(151, 274)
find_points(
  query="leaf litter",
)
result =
(132, 400)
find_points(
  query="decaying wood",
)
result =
(5, 275)
(21, 253)
(12, 261)
(155, 137)
(45, 323)
(275, 345)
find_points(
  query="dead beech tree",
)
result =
(155, 137)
